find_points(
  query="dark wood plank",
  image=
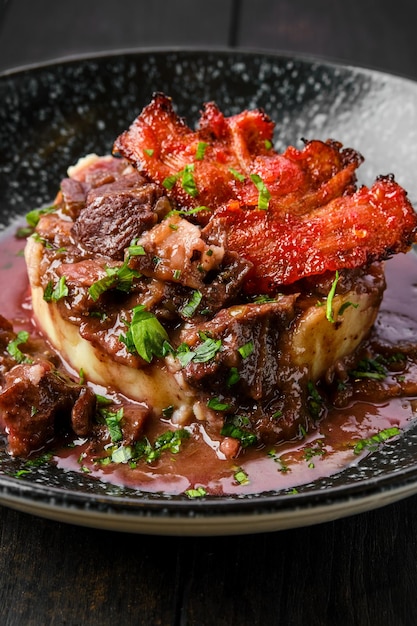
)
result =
(45, 30)
(374, 33)
(354, 571)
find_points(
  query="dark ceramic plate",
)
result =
(52, 115)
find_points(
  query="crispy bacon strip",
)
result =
(315, 221)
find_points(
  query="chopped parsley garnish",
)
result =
(112, 420)
(369, 368)
(206, 350)
(120, 278)
(240, 177)
(184, 212)
(135, 250)
(170, 181)
(187, 181)
(217, 405)
(186, 177)
(30, 464)
(346, 305)
(149, 151)
(241, 477)
(372, 443)
(197, 492)
(268, 144)
(144, 450)
(283, 467)
(263, 299)
(316, 449)
(233, 377)
(14, 350)
(145, 335)
(168, 411)
(54, 293)
(201, 354)
(201, 149)
(314, 401)
(235, 427)
(34, 216)
(329, 302)
(191, 306)
(264, 195)
(246, 350)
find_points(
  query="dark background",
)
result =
(376, 33)
(357, 571)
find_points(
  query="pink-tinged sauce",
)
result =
(322, 453)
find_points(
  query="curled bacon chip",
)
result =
(292, 215)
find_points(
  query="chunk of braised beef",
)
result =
(74, 195)
(251, 370)
(6, 336)
(36, 402)
(222, 288)
(116, 213)
(250, 336)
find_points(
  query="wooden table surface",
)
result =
(356, 571)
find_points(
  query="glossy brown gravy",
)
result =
(322, 453)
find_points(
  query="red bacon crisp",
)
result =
(292, 215)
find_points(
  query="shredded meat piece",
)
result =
(259, 325)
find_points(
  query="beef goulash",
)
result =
(200, 277)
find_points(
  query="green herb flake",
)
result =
(23, 232)
(246, 350)
(329, 301)
(184, 212)
(206, 350)
(145, 336)
(268, 144)
(198, 492)
(240, 177)
(170, 181)
(233, 377)
(136, 250)
(346, 305)
(264, 195)
(168, 411)
(372, 443)
(201, 150)
(14, 350)
(184, 354)
(369, 368)
(217, 405)
(187, 181)
(314, 401)
(316, 449)
(149, 151)
(241, 477)
(54, 293)
(192, 305)
(233, 427)
(122, 454)
(34, 216)
(112, 420)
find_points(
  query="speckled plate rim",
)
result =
(203, 517)
(208, 516)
